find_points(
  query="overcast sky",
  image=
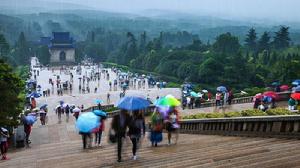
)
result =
(284, 10)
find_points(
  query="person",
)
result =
(230, 97)
(218, 99)
(156, 128)
(33, 103)
(59, 111)
(99, 130)
(3, 142)
(256, 103)
(136, 128)
(86, 139)
(27, 130)
(119, 124)
(43, 113)
(109, 85)
(67, 111)
(291, 104)
(172, 124)
(108, 98)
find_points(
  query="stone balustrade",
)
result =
(270, 126)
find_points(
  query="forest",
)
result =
(254, 58)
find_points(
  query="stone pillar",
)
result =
(276, 126)
(296, 126)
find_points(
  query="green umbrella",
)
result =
(168, 100)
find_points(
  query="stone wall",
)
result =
(70, 56)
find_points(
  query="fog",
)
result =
(276, 10)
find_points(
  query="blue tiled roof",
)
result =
(61, 40)
(45, 41)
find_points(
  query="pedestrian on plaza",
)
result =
(98, 132)
(33, 103)
(67, 111)
(59, 111)
(95, 90)
(172, 124)
(43, 113)
(86, 139)
(218, 99)
(108, 98)
(4, 135)
(136, 129)
(27, 130)
(119, 125)
(156, 125)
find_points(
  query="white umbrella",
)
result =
(76, 110)
(204, 91)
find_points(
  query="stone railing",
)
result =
(147, 111)
(283, 96)
(103, 107)
(266, 126)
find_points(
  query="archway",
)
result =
(62, 56)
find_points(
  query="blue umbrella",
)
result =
(221, 89)
(30, 119)
(133, 103)
(98, 101)
(267, 99)
(30, 81)
(61, 102)
(87, 122)
(297, 89)
(100, 113)
(43, 106)
(34, 94)
(296, 82)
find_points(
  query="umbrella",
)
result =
(205, 91)
(76, 110)
(43, 106)
(258, 96)
(64, 105)
(61, 102)
(133, 103)
(30, 119)
(194, 94)
(297, 89)
(168, 100)
(100, 113)
(284, 87)
(295, 96)
(271, 94)
(30, 81)
(34, 94)
(275, 83)
(221, 89)
(98, 101)
(267, 99)
(87, 122)
(296, 82)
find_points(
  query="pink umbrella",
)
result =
(271, 94)
(284, 87)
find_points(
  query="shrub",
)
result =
(232, 114)
(214, 115)
(173, 85)
(253, 112)
(278, 111)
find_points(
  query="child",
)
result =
(3, 143)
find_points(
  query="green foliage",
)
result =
(10, 88)
(111, 109)
(282, 39)
(251, 40)
(173, 85)
(21, 53)
(42, 52)
(226, 43)
(279, 111)
(253, 112)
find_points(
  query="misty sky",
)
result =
(280, 10)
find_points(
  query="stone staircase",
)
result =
(59, 145)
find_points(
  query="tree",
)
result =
(43, 54)
(11, 87)
(4, 46)
(251, 40)
(282, 39)
(227, 44)
(22, 53)
(142, 46)
(264, 42)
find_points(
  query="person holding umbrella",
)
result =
(119, 124)
(136, 128)
(122, 121)
(156, 128)
(172, 124)
(98, 131)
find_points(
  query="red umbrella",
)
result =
(271, 94)
(257, 96)
(295, 96)
(284, 87)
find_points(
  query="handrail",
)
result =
(271, 126)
